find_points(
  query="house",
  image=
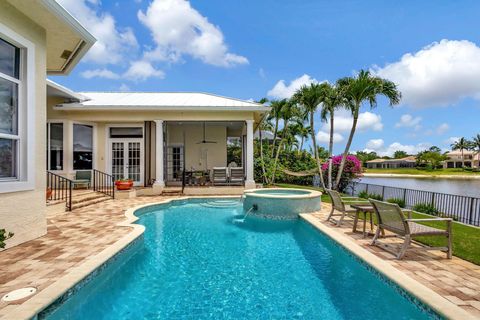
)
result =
(471, 159)
(149, 137)
(407, 162)
(37, 37)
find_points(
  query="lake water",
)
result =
(464, 187)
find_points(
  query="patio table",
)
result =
(363, 208)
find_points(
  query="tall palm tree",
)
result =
(303, 133)
(275, 111)
(333, 100)
(262, 126)
(461, 144)
(364, 87)
(286, 113)
(310, 97)
(476, 143)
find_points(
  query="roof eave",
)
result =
(80, 107)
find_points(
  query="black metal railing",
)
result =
(59, 189)
(183, 179)
(464, 209)
(103, 183)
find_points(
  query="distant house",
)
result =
(454, 159)
(407, 162)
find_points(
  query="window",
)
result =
(82, 147)
(9, 89)
(55, 146)
(126, 132)
(17, 112)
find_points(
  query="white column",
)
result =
(159, 180)
(250, 182)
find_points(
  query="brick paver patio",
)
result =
(73, 238)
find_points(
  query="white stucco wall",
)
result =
(24, 212)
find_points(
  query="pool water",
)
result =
(196, 263)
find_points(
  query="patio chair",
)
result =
(237, 176)
(391, 217)
(82, 177)
(220, 176)
(342, 204)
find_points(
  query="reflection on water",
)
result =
(465, 187)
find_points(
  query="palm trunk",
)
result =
(278, 152)
(301, 145)
(347, 147)
(265, 179)
(330, 151)
(275, 136)
(315, 150)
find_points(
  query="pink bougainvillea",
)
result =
(351, 171)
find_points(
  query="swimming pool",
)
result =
(196, 263)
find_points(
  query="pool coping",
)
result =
(309, 195)
(32, 307)
(436, 302)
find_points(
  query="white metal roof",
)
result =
(57, 90)
(161, 101)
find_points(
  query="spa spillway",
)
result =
(280, 203)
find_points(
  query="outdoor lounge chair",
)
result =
(237, 176)
(82, 177)
(391, 217)
(342, 204)
(220, 176)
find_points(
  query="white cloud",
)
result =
(378, 145)
(262, 73)
(124, 87)
(100, 73)
(178, 29)
(443, 128)
(142, 70)
(451, 140)
(283, 91)
(440, 74)
(366, 121)
(324, 137)
(112, 42)
(407, 120)
(375, 144)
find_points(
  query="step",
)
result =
(87, 197)
(90, 202)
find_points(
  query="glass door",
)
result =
(127, 160)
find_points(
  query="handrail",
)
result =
(183, 180)
(103, 183)
(59, 188)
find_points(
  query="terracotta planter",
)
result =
(49, 193)
(124, 185)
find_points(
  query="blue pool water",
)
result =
(196, 263)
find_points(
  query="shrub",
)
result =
(352, 170)
(366, 195)
(4, 236)
(400, 202)
(426, 208)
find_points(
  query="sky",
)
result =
(251, 49)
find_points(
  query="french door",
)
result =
(127, 159)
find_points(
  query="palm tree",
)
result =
(286, 113)
(276, 109)
(461, 144)
(262, 126)
(332, 101)
(310, 97)
(303, 133)
(476, 143)
(364, 87)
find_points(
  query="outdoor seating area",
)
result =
(218, 176)
(389, 217)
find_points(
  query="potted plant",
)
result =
(124, 184)
(49, 193)
(4, 235)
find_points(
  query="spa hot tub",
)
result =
(280, 203)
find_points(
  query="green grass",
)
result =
(438, 172)
(466, 239)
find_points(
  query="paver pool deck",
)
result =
(77, 237)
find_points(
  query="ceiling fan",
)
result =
(204, 141)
